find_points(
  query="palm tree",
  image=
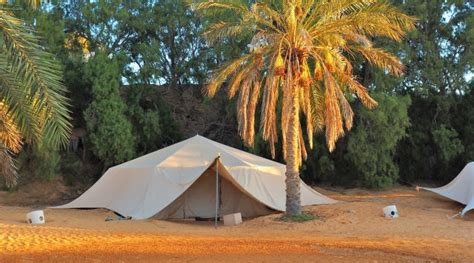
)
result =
(300, 62)
(33, 106)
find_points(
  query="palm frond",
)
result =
(382, 59)
(333, 117)
(357, 88)
(7, 167)
(317, 108)
(210, 7)
(305, 48)
(17, 104)
(242, 103)
(10, 136)
(222, 30)
(40, 76)
(223, 74)
(252, 106)
(346, 109)
(374, 19)
(269, 108)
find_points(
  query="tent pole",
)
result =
(217, 190)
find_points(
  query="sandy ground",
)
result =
(351, 231)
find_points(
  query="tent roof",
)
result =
(144, 186)
(197, 148)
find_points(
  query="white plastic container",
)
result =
(233, 219)
(390, 211)
(35, 217)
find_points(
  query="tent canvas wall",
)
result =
(176, 182)
(199, 200)
(460, 189)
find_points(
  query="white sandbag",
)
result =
(233, 219)
(390, 211)
(35, 217)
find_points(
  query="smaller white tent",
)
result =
(460, 189)
(186, 179)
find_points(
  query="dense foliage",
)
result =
(109, 130)
(423, 129)
(371, 149)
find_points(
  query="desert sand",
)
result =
(352, 230)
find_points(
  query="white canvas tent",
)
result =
(179, 181)
(460, 189)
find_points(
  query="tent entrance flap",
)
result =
(199, 200)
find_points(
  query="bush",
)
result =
(71, 168)
(109, 131)
(436, 145)
(372, 143)
(44, 162)
(145, 121)
(447, 143)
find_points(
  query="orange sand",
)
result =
(354, 230)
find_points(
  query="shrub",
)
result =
(44, 162)
(447, 143)
(71, 168)
(372, 143)
(109, 131)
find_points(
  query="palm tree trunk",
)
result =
(293, 203)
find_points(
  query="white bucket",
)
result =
(35, 217)
(390, 211)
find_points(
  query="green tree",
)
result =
(109, 131)
(372, 144)
(464, 122)
(145, 120)
(181, 54)
(447, 143)
(438, 55)
(71, 50)
(44, 162)
(158, 41)
(297, 51)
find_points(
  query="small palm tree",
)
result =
(33, 108)
(300, 59)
